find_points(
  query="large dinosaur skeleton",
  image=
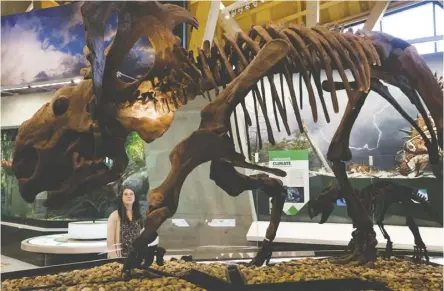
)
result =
(377, 198)
(62, 148)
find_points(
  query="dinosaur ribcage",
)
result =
(311, 50)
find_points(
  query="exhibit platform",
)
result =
(10, 265)
(340, 234)
(316, 273)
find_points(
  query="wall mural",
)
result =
(380, 134)
(96, 204)
(47, 44)
(384, 146)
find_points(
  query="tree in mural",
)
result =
(134, 148)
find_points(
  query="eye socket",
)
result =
(60, 105)
(410, 147)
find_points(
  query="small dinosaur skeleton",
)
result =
(413, 158)
(377, 198)
(62, 148)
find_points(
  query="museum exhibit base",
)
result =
(84, 241)
(398, 273)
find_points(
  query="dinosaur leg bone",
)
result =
(388, 249)
(420, 247)
(208, 143)
(200, 147)
(226, 177)
(339, 151)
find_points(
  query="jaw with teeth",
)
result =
(54, 149)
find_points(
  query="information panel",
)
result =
(295, 163)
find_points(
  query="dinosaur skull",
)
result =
(56, 150)
(56, 139)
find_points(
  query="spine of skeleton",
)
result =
(311, 50)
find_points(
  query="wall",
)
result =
(201, 200)
(16, 109)
(375, 133)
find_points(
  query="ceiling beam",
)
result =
(30, 7)
(302, 13)
(426, 39)
(376, 14)
(228, 24)
(213, 16)
(396, 5)
(260, 7)
(313, 12)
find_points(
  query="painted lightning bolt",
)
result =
(366, 146)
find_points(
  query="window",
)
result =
(439, 19)
(409, 24)
(440, 46)
(404, 24)
(355, 27)
(425, 47)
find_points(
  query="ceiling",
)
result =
(295, 11)
(286, 12)
(15, 7)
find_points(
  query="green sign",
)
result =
(290, 155)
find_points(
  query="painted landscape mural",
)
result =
(47, 44)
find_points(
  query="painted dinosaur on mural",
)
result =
(412, 159)
(377, 198)
(62, 148)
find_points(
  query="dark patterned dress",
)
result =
(128, 233)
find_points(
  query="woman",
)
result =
(124, 225)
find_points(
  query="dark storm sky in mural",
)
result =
(375, 133)
(47, 44)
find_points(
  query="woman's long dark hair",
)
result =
(137, 215)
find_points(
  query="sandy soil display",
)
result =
(398, 274)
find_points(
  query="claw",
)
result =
(364, 249)
(419, 254)
(388, 250)
(160, 252)
(264, 255)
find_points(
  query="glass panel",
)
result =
(425, 48)
(401, 24)
(440, 46)
(439, 18)
(356, 27)
(361, 26)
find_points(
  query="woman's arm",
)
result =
(111, 237)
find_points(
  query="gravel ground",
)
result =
(398, 274)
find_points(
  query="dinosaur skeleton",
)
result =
(377, 198)
(62, 148)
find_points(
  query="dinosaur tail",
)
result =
(431, 211)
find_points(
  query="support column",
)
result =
(376, 14)
(228, 23)
(213, 15)
(312, 13)
(197, 35)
